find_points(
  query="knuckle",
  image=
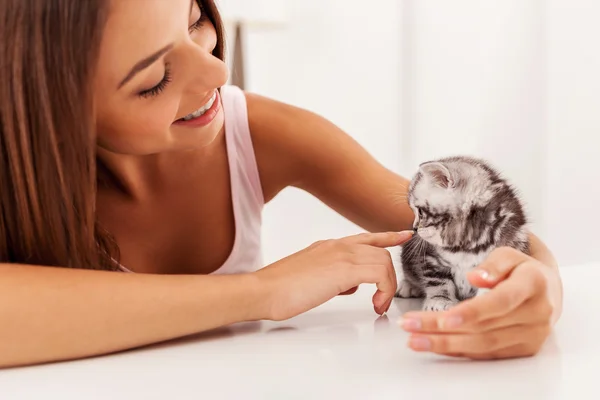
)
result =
(391, 236)
(345, 258)
(325, 243)
(331, 242)
(317, 243)
(385, 254)
(471, 315)
(507, 299)
(441, 344)
(490, 341)
(362, 237)
(385, 258)
(544, 310)
(381, 272)
(337, 246)
(342, 246)
(539, 281)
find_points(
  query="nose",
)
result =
(204, 71)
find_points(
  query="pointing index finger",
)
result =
(382, 239)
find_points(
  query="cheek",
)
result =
(431, 235)
(208, 37)
(140, 129)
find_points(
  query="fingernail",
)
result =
(410, 324)
(486, 276)
(451, 322)
(405, 234)
(388, 306)
(420, 343)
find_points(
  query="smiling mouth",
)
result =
(200, 112)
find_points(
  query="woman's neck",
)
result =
(142, 177)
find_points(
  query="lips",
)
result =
(206, 105)
(202, 117)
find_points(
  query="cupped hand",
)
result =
(513, 319)
(329, 268)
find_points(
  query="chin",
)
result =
(194, 138)
(432, 238)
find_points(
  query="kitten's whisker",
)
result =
(412, 250)
(424, 250)
(399, 201)
(398, 196)
(401, 185)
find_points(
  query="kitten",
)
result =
(463, 210)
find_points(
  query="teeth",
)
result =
(201, 110)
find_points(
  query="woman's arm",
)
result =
(299, 148)
(295, 147)
(53, 314)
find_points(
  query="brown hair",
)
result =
(48, 54)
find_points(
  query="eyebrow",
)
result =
(145, 63)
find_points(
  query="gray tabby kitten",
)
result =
(463, 210)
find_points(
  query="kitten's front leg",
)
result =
(440, 296)
(407, 290)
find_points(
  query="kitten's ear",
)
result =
(439, 173)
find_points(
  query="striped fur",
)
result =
(463, 210)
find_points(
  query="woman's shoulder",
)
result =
(286, 139)
(271, 124)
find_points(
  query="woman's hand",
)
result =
(513, 319)
(329, 268)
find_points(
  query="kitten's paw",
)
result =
(438, 304)
(406, 290)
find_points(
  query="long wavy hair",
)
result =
(48, 167)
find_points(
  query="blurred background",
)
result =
(516, 82)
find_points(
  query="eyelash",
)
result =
(198, 24)
(156, 90)
(167, 78)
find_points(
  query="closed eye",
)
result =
(199, 22)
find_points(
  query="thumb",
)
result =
(496, 267)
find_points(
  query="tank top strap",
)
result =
(246, 189)
(242, 158)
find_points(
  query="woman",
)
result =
(132, 190)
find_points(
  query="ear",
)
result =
(439, 173)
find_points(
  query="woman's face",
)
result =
(156, 69)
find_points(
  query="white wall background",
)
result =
(573, 163)
(516, 82)
(335, 61)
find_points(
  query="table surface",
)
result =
(341, 349)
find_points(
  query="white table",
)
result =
(341, 350)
